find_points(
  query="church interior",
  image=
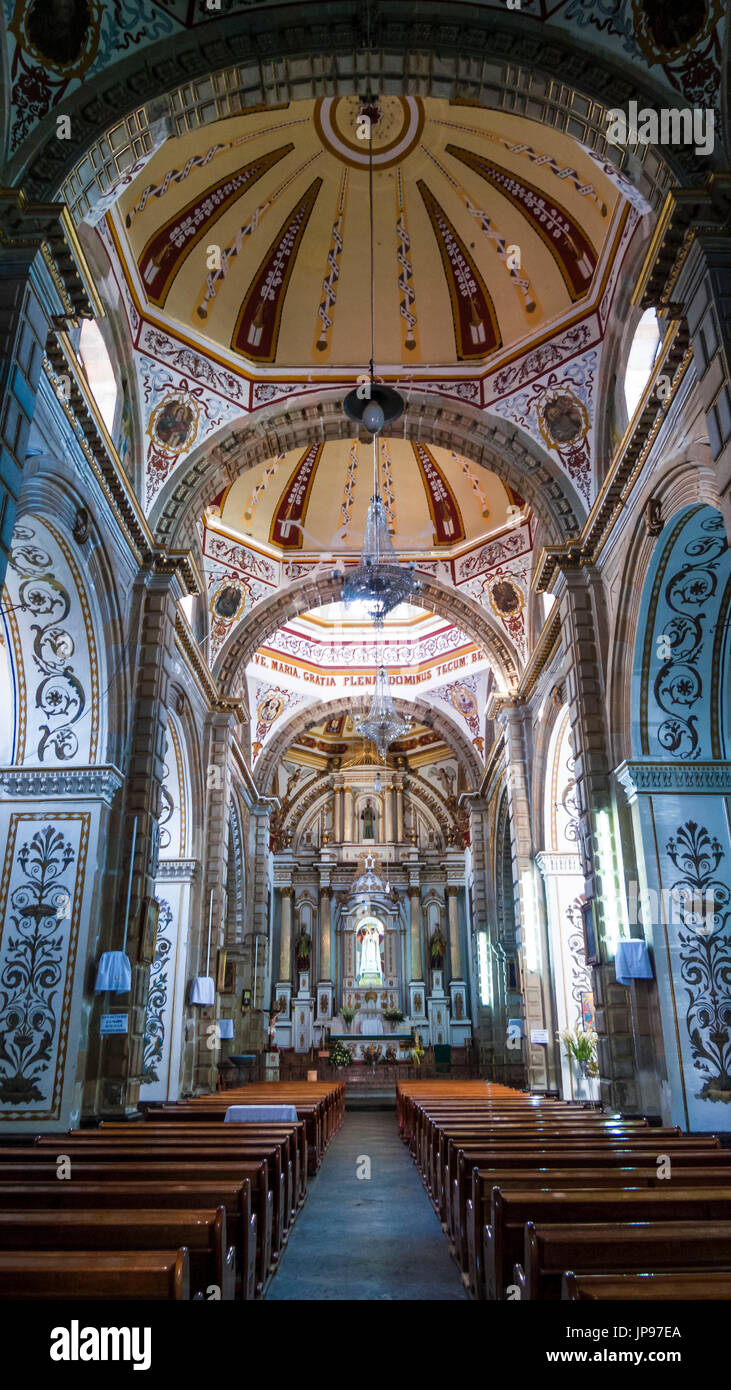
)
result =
(365, 655)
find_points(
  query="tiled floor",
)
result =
(367, 1238)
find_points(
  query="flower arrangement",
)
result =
(580, 1043)
(371, 1053)
(393, 1015)
(348, 1013)
(340, 1055)
(417, 1051)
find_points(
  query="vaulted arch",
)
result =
(309, 593)
(421, 710)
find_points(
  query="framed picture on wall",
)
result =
(591, 944)
(221, 960)
(229, 977)
(149, 917)
(588, 1017)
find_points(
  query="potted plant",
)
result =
(580, 1043)
(393, 1015)
(438, 949)
(340, 1055)
(417, 1051)
(348, 1014)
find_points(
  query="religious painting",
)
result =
(588, 1015)
(667, 31)
(229, 978)
(149, 917)
(174, 424)
(562, 419)
(62, 34)
(506, 597)
(591, 950)
(270, 708)
(228, 602)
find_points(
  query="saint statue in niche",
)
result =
(370, 957)
(368, 818)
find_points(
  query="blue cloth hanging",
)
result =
(632, 962)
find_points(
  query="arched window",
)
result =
(99, 371)
(641, 359)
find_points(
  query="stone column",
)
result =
(256, 937)
(387, 813)
(220, 727)
(326, 893)
(580, 598)
(285, 940)
(120, 1058)
(347, 815)
(337, 813)
(415, 931)
(455, 952)
(541, 1059)
(399, 813)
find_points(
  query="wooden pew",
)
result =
(678, 1288)
(503, 1213)
(158, 1197)
(138, 1274)
(583, 1160)
(107, 1174)
(203, 1233)
(667, 1247)
(90, 1150)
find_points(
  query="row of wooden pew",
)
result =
(541, 1199)
(175, 1205)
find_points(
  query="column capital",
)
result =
(286, 890)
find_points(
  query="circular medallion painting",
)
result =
(667, 31)
(506, 598)
(62, 34)
(270, 708)
(228, 602)
(563, 419)
(174, 424)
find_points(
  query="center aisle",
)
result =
(367, 1238)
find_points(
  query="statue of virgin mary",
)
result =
(370, 957)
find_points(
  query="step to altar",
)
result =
(365, 1097)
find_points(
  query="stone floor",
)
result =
(375, 1238)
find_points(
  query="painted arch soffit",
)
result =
(420, 710)
(305, 595)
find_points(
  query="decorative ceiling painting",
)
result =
(253, 234)
(53, 46)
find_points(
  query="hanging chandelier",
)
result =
(382, 724)
(378, 580)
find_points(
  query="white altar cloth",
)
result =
(251, 1114)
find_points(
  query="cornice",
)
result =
(551, 863)
(49, 228)
(99, 783)
(686, 214)
(654, 775)
(173, 870)
(542, 654)
(198, 667)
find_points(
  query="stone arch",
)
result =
(485, 440)
(427, 714)
(308, 593)
(261, 56)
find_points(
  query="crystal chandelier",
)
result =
(382, 724)
(378, 580)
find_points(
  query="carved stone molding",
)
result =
(177, 870)
(101, 783)
(550, 863)
(655, 775)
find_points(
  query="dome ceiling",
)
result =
(315, 500)
(253, 235)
